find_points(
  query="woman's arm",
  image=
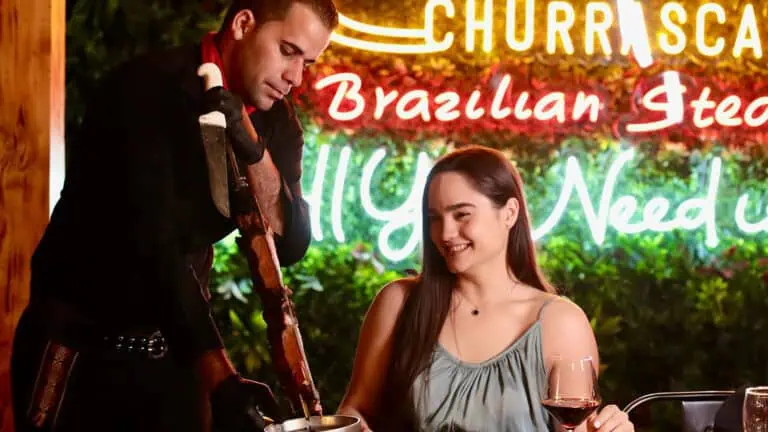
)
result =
(373, 352)
(566, 332)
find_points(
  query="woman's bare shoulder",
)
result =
(559, 311)
(393, 295)
(566, 330)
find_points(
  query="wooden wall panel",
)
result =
(32, 37)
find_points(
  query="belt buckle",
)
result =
(152, 346)
(158, 351)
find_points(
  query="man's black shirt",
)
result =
(136, 212)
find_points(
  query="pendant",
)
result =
(475, 312)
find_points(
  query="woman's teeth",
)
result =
(458, 248)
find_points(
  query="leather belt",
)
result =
(82, 334)
(152, 346)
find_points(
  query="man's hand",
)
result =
(220, 99)
(239, 404)
(250, 149)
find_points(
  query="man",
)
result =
(118, 334)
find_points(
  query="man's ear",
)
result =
(511, 212)
(242, 23)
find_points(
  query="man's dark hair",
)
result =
(275, 10)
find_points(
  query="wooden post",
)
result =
(32, 41)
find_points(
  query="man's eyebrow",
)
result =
(295, 47)
(299, 51)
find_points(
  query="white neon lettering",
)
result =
(726, 109)
(550, 106)
(388, 47)
(674, 28)
(673, 106)
(344, 92)
(699, 105)
(749, 113)
(315, 197)
(471, 110)
(623, 213)
(701, 21)
(741, 219)
(748, 35)
(497, 111)
(634, 34)
(416, 103)
(556, 27)
(598, 20)
(420, 108)
(429, 22)
(666, 98)
(620, 213)
(379, 30)
(382, 101)
(593, 27)
(407, 214)
(654, 212)
(426, 34)
(586, 102)
(521, 111)
(485, 24)
(574, 180)
(365, 185)
(706, 207)
(512, 40)
(447, 110)
(338, 194)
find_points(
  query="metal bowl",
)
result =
(336, 423)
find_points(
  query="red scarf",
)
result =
(210, 54)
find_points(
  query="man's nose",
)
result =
(295, 72)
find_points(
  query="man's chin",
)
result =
(265, 103)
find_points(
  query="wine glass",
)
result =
(572, 393)
(755, 409)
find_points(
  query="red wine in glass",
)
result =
(572, 392)
(571, 412)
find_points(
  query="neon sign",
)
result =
(419, 103)
(504, 105)
(509, 96)
(621, 213)
(710, 37)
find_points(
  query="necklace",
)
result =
(475, 310)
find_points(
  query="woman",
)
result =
(466, 344)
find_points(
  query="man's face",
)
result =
(269, 59)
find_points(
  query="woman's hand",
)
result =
(610, 419)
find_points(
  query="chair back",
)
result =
(699, 407)
(699, 416)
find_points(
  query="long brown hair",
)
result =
(429, 299)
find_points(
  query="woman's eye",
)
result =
(461, 216)
(285, 50)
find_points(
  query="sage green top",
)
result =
(501, 394)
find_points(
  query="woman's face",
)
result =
(466, 226)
